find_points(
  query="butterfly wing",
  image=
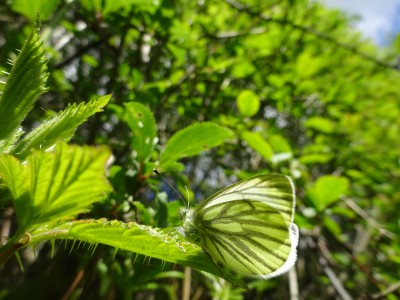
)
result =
(249, 227)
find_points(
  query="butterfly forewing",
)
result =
(248, 226)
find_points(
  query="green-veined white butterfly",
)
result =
(248, 226)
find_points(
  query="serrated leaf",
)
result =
(326, 190)
(55, 185)
(248, 103)
(193, 140)
(25, 84)
(256, 141)
(15, 177)
(59, 128)
(7, 144)
(137, 238)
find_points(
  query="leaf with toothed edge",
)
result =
(26, 82)
(140, 239)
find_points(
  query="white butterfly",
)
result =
(248, 226)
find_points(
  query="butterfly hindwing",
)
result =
(248, 226)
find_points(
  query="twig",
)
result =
(186, 283)
(320, 35)
(293, 284)
(6, 226)
(337, 284)
(74, 284)
(386, 292)
(368, 218)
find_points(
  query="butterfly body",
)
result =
(248, 227)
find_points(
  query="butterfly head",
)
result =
(187, 216)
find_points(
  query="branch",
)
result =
(337, 284)
(363, 214)
(308, 30)
(8, 250)
(391, 289)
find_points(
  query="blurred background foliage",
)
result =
(303, 95)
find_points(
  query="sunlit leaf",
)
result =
(24, 85)
(30, 8)
(248, 103)
(141, 121)
(193, 140)
(320, 124)
(55, 185)
(326, 190)
(140, 239)
(59, 128)
(256, 141)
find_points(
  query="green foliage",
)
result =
(47, 187)
(132, 237)
(192, 141)
(326, 190)
(208, 93)
(143, 127)
(25, 84)
(29, 9)
(60, 127)
(248, 103)
(255, 140)
(320, 124)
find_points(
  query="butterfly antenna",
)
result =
(188, 197)
(170, 185)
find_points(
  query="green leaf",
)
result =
(90, 60)
(143, 214)
(8, 144)
(248, 103)
(30, 8)
(59, 128)
(137, 238)
(279, 143)
(333, 227)
(326, 190)
(315, 158)
(16, 178)
(141, 121)
(92, 5)
(51, 186)
(308, 64)
(243, 68)
(25, 84)
(256, 141)
(111, 6)
(193, 140)
(320, 124)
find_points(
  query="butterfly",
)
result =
(248, 226)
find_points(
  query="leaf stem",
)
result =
(11, 248)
